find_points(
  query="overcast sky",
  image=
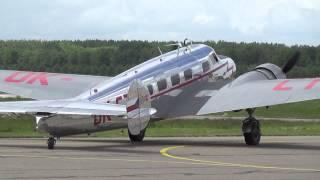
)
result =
(282, 21)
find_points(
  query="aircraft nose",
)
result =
(232, 66)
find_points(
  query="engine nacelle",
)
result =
(271, 71)
(266, 71)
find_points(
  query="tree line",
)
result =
(110, 57)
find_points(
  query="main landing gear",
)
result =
(251, 129)
(137, 138)
(51, 142)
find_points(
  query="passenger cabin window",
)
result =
(175, 79)
(187, 74)
(205, 66)
(162, 84)
(150, 89)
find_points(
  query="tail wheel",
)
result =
(51, 142)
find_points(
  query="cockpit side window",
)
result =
(213, 57)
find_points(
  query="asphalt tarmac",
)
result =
(161, 158)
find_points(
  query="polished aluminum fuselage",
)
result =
(168, 101)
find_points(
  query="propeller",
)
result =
(291, 62)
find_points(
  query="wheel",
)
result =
(251, 131)
(252, 138)
(137, 138)
(51, 142)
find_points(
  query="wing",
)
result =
(138, 106)
(62, 107)
(42, 85)
(261, 93)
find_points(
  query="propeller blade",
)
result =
(291, 62)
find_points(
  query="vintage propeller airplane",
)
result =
(190, 80)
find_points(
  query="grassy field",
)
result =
(24, 126)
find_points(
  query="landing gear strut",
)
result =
(51, 142)
(137, 138)
(251, 129)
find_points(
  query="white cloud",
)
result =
(284, 21)
(202, 19)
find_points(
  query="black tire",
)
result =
(51, 143)
(252, 138)
(137, 138)
(251, 131)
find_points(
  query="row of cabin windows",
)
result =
(175, 79)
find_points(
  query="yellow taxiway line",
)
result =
(165, 153)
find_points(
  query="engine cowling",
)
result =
(265, 71)
(271, 71)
